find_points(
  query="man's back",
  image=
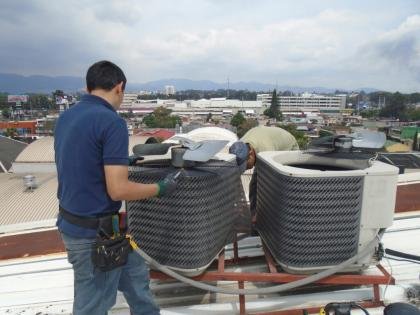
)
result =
(263, 138)
(86, 136)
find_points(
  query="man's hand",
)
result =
(168, 185)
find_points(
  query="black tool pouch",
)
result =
(108, 254)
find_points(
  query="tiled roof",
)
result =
(158, 133)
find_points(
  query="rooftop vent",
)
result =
(29, 181)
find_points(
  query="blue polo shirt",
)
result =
(88, 136)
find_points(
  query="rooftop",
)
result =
(9, 150)
(23, 208)
(44, 284)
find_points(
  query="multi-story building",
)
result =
(169, 90)
(215, 106)
(312, 103)
(129, 99)
(265, 99)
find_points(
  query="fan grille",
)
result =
(189, 228)
(308, 222)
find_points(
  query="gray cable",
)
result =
(268, 290)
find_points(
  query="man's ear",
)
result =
(119, 87)
(251, 152)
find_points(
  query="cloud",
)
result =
(336, 46)
(396, 54)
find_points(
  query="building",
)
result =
(45, 126)
(160, 133)
(169, 90)
(265, 99)
(128, 100)
(312, 103)
(221, 107)
(21, 127)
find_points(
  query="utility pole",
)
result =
(228, 88)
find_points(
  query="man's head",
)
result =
(106, 80)
(245, 155)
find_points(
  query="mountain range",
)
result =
(19, 84)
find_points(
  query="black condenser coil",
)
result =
(186, 230)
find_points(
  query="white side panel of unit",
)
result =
(378, 205)
(365, 237)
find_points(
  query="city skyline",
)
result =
(348, 45)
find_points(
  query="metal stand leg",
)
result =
(235, 252)
(242, 310)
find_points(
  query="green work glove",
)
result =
(168, 185)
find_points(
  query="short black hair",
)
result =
(104, 75)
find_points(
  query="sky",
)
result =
(347, 44)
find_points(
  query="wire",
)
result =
(360, 307)
(389, 280)
(407, 260)
(373, 158)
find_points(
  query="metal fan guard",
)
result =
(308, 222)
(186, 230)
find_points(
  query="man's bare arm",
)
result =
(120, 188)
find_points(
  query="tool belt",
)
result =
(112, 244)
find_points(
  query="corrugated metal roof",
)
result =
(42, 150)
(19, 205)
(9, 150)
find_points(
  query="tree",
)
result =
(11, 132)
(396, 108)
(287, 93)
(413, 114)
(370, 113)
(237, 120)
(5, 113)
(162, 118)
(38, 101)
(300, 136)
(273, 111)
(150, 120)
(3, 100)
(245, 126)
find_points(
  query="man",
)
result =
(256, 140)
(91, 154)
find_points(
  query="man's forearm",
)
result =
(134, 191)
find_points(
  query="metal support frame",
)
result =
(274, 276)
